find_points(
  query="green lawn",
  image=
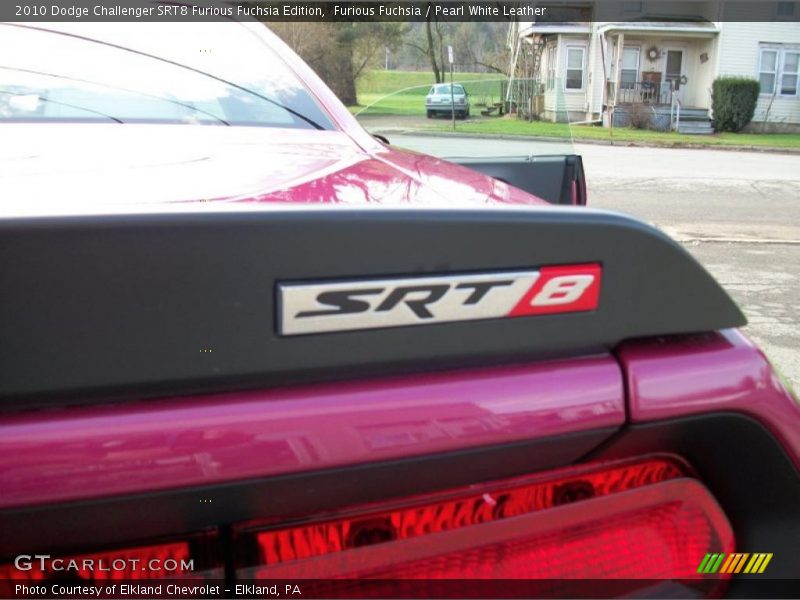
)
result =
(397, 104)
(403, 92)
(511, 126)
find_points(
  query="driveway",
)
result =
(738, 213)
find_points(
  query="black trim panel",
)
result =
(136, 305)
(547, 177)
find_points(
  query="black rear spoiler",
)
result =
(150, 304)
(559, 179)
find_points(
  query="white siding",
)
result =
(597, 74)
(561, 104)
(705, 72)
(739, 49)
(552, 93)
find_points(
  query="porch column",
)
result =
(618, 66)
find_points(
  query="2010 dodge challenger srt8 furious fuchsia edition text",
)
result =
(243, 342)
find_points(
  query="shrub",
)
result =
(640, 116)
(733, 100)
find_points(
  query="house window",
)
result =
(778, 69)
(789, 73)
(629, 69)
(768, 70)
(575, 64)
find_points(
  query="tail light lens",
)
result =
(637, 520)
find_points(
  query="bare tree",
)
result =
(428, 50)
(340, 53)
(482, 44)
(440, 47)
(437, 74)
(767, 111)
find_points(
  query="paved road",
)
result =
(738, 213)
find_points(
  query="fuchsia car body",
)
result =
(698, 395)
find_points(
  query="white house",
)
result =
(662, 57)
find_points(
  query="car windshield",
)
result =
(215, 73)
(445, 89)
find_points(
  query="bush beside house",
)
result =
(641, 116)
(733, 101)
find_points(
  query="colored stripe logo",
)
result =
(734, 563)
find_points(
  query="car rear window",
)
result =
(445, 89)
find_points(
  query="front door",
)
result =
(674, 68)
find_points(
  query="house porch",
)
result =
(659, 68)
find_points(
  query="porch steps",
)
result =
(695, 121)
(695, 127)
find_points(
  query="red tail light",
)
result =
(644, 519)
